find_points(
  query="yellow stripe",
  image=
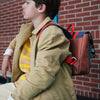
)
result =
(26, 70)
(22, 77)
(25, 65)
(27, 48)
(23, 56)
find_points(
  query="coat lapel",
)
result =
(24, 34)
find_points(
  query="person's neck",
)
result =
(38, 21)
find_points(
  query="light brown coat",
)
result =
(49, 78)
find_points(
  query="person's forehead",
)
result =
(28, 0)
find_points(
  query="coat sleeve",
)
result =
(14, 41)
(12, 44)
(10, 48)
(53, 48)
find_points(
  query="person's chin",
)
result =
(26, 17)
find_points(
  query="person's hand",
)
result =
(10, 97)
(6, 64)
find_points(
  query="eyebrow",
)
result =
(28, 0)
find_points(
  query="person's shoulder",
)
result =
(54, 29)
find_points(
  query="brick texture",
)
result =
(84, 14)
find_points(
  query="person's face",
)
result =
(29, 10)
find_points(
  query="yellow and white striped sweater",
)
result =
(24, 62)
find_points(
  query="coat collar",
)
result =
(35, 31)
(24, 33)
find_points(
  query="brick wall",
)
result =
(84, 14)
(10, 21)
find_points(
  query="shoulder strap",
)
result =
(70, 60)
(46, 25)
(66, 32)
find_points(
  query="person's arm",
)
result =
(53, 48)
(10, 48)
(6, 64)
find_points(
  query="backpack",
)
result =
(81, 46)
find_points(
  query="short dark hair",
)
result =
(52, 6)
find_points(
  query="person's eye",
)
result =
(27, 2)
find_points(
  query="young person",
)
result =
(38, 71)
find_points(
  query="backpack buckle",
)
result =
(74, 60)
(70, 60)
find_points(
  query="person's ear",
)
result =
(42, 8)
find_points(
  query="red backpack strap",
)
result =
(71, 25)
(69, 60)
(46, 25)
(73, 35)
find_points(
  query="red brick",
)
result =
(95, 12)
(92, 33)
(86, 94)
(91, 75)
(61, 8)
(70, 16)
(97, 56)
(97, 41)
(97, 51)
(75, 20)
(94, 95)
(83, 23)
(95, 2)
(1, 1)
(82, 5)
(63, 21)
(90, 8)
(82, 78)
(69, 7)
(90, 94)
(63, 4)
(86, 0)
(63, 12)
(96, 22)
(90, 18)
(61, 17)
(82, 93)
(97, 34)
(99, 96)
(78, 92)
(95, 80)
(77, 82)
(21, 2)
(95, 71)
(74, 2)
(90, 27)
(74, 77)
(78, 28)
(90, 84)
(83, 87)
(75, 10)
(95, 90)
(83, 14)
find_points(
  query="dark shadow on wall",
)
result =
(84, 98)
